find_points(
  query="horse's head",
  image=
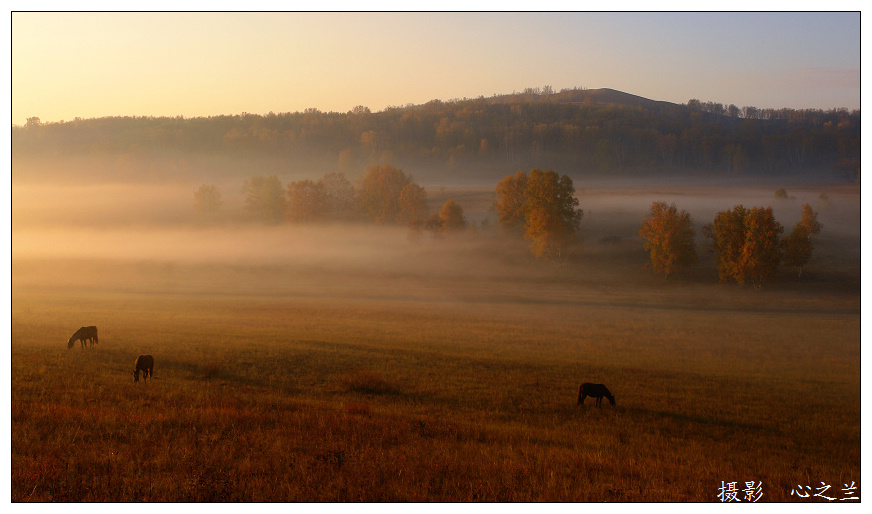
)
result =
(612, 400)
(136, 375)
(70, 343)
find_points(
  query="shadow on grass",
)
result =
(702, 422)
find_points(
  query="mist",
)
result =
(147, 239)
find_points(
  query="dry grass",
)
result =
(489, 417)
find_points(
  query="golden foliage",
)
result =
(307, 201)
(510, 203)
(796, 246)
(380, 192)
(669, 238)
(543, 207)
(412, 204)
(747, 244)
(451, 217)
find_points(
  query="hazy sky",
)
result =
(67, 65)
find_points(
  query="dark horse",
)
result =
(144, 363)
(594, 391)
(85, 335)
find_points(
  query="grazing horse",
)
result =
(85, 335)
(594, 391)
(144, 363)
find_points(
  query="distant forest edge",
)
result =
(580, 132)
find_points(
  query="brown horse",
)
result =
(594, 391)
(144, 363)
(85, 335)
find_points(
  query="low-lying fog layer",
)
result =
(158, 223)
(327, 245)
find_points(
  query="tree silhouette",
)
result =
(207, 200)
(264, 198)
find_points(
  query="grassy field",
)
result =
(430, 370)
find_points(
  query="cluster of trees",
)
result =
(747, 243)
(669, 238)
(599, 131)
(543, 208)
(384, 195)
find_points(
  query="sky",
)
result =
(90, 65)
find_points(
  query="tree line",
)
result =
(541, 207)
(747, 243)
(384, 195)
(598, 131)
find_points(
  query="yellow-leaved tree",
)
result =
(380, 192)
(542, 207)
(510, 202)
(307, 201)
(451, 218)
(797, 245)
(761, 252)
(551, 213)
(669, 238)
(747, 244)
(413, 204)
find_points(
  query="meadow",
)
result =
(360, 364)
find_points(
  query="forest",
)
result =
(585, 132)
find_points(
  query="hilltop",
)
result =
(581, 132)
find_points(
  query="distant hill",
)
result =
(602, 96)
(580, 132)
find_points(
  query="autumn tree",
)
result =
(307, 201)
(796, 246)
(551, 215)
(510, 202)
(727, 234)
(339, 194)
(543, 208)
(207, 200)
(747, 244)
(669, 238)
(412, 204)
(451, 218)
(264, 198)
(762, 250)
(380, 192)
